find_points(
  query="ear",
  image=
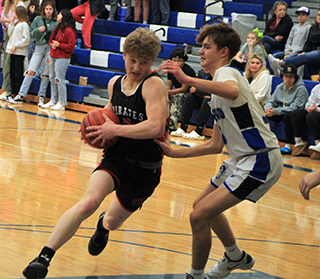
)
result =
(224, 52)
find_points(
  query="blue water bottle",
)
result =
(122, 12)
(78, 43)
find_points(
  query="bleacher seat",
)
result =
(271, 2)
(243, 8)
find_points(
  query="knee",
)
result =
(88, 206)
(112, 222)
(31, 73)
(198, 220)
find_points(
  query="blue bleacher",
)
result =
(243, 8)
(271, 2)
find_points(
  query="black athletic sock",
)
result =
(46, 254)
(101, 227)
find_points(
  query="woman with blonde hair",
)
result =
(259, 78)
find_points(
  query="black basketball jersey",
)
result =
(132, 110)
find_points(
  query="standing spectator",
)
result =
(259, 79)
(253, 45)
(33, 11)
(176, 5)
(114, 9)
(176, 90)
(288, 96)
(63, 42)
(90, 9)
(197, 99)
(7, 15)
(302, 118)
(66, 4)
(310, 54)
(161, 11)
(278, 28)
(17, 46)
(137, 10)
(42, 52)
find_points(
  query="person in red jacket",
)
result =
(90, 9)
(62, 42)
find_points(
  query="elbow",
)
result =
(234, 95)
(157, 131)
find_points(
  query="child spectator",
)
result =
(42, 51)
(302, 118)
(259, 79)
(310, 52)
(288, 96)
(63, 42)
(137, 10)
(253, 45)
(278, 28)
(197, 99)
(19, 34)
(176, 90)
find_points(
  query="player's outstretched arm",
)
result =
(213, 146)
(308, 182)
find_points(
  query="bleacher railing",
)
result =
(205, 21)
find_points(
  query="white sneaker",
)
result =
(18, 99)
(40, 101)
(193, 135)
(4, 95)
(57, 106)
(10, 99)
(178, 133)
(49, 104)
(275, 66)
(223, 268)
(315, 147)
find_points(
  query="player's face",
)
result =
(288, 80)
(209, 54)
(137, 69)
(48, 10)
(255, 65)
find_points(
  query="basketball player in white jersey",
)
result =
(255, 164)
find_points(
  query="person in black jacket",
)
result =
(278, 28)
(63, 4)
(310, 54)
(90, 9)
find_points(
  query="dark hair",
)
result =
(51, 3)
(178, 52)
(36, 12)
(66, 21)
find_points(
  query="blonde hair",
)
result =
(142, 43)
(259, 43)
(247, 72)
(8, 5)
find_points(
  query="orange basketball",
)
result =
(95, 118)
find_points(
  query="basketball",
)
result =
(95, 118)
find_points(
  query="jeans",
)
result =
(271, 44)
(6, 84)
(41, 52)
(312, 57)
(58, 69)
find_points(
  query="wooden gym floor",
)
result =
(44, 168)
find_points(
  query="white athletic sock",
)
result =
(234, 253)
(197, 274)
(298, 139)
(288, 145)
(317, 141)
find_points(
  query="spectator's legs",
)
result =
(191, 102)
(113, 9)
(155, 5)
(6, 84)
(16, 72)
(312, 57)
(137, 10)
(176, 102)
(146, 10)
(298, 122)
(54, 90)
(79, 11)
(61, 66)
(165, 11)
(87, 26)
(271, 44)
(313, 121)
(128, 5)
(203, 116)
(288, 129)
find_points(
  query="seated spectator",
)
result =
(310, 52)
(253, 45)
(114, 9)
(288, 96)
(161, 11)
(176, 90)
(197, 99)
(137, 10)
(278, 28)
(308, 117)
(259, 78)
(297, 36)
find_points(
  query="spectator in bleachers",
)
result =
(42, 51)
(176, 5)
(176, 90)
(33, 11)
(278, 28)
(66, 4)
(302, 118)
(63, 42)
(7, 15)
(287, 97)
(90, 9)
(197, 99)
(161, 11)
(310, 54)
(259, 79)
(297, 36)
(114, 9)
(137, 10)
(253, 45)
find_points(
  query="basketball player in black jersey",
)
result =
(131, 167)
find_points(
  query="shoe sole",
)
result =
(94, 253)
(36, 274)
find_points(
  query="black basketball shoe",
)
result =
(37, 269)
(99, 240)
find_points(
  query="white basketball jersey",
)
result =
(242, 122)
